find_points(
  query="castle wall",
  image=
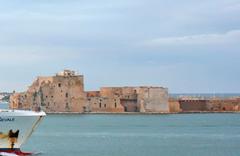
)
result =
(64, 92)
(210, 104)
(224, 104)
(139, 99)
(60, 93)
(153, 99)
(104, 104)
(193, 105)
(174, 105)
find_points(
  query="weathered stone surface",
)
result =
(211, 104)
(64, 92)
(61, 93)
(153, 99)
(174, 105)
(130, 99)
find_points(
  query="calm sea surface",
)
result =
(138, 135)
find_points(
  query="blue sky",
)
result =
(187, 46)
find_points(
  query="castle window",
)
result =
(66, 95)
(59, 85)
(100, 105)
(105, 105)
(115, 105)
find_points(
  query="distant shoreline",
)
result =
(138, 113)
(4, 102)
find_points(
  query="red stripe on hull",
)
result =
(15, 151)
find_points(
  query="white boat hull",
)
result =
(16, 127)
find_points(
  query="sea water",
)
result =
(138, 135)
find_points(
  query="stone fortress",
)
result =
(65, 92)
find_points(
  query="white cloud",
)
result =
(232, 36)
(34, 54)
(235, 7)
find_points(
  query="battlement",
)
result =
(67, 72)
